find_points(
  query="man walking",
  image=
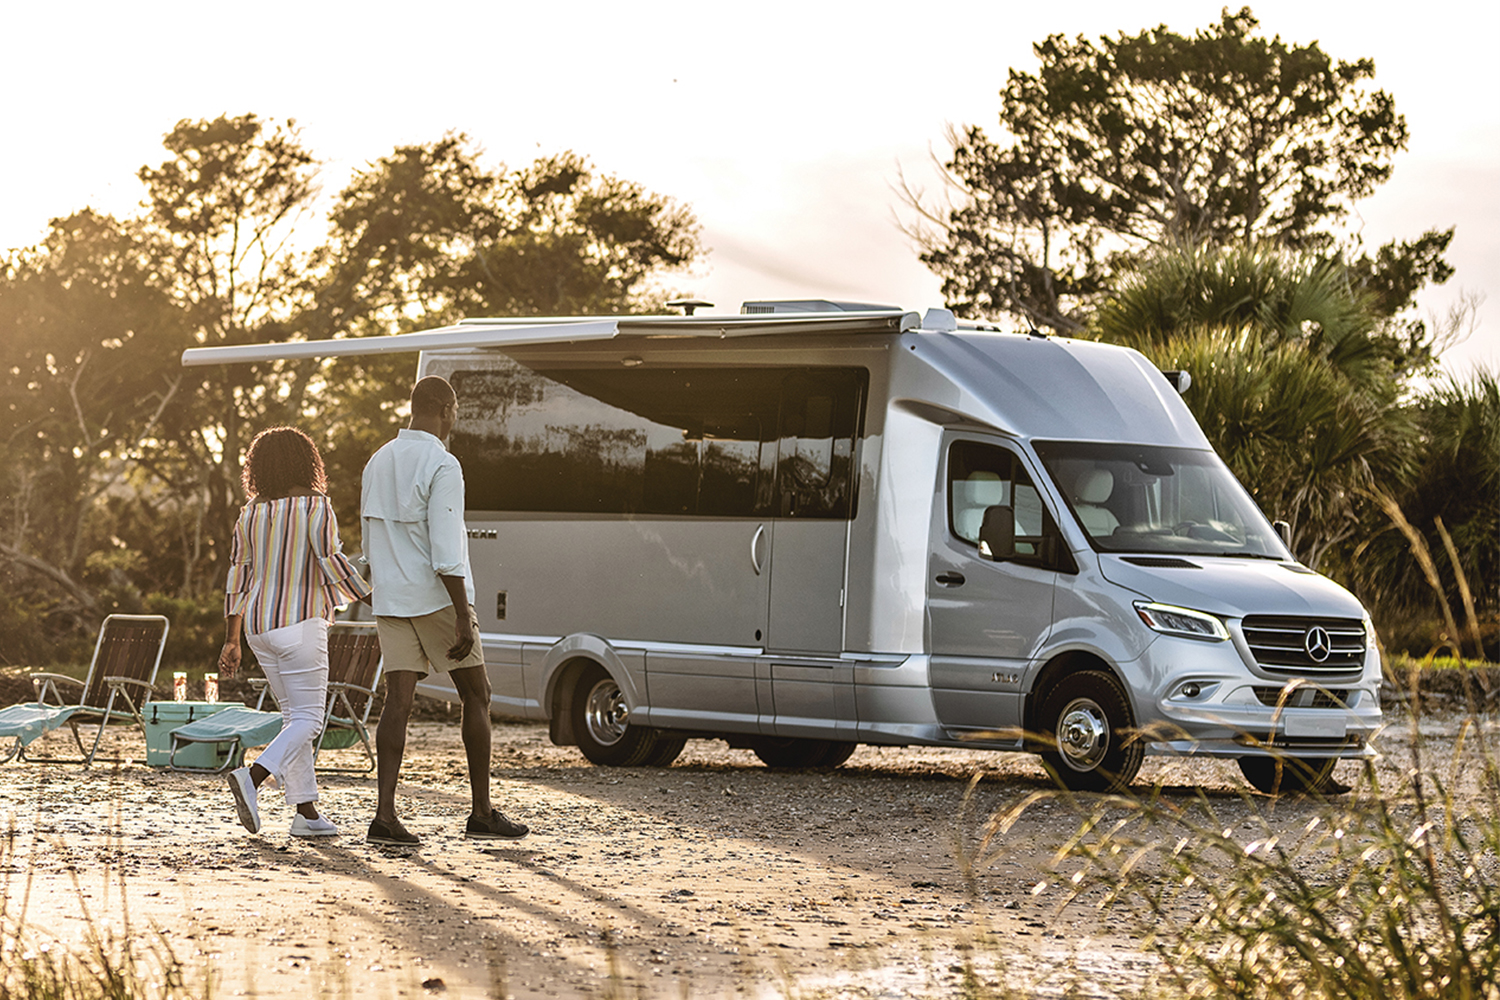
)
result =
(412, 510)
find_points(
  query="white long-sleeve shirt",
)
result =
(412, 509)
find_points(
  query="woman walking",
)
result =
(287, 574)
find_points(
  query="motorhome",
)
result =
(814, 525)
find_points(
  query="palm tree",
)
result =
(1456, 484)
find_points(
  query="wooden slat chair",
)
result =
(120, 680)
(354, 665)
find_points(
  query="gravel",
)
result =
(712, 878)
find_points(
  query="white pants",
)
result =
(295, 660)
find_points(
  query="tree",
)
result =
(223, 209)
(428, 234)
(88, 342)
(1391, 280)
(579, 243)
(1157, 139)
(1266, 295)
(1456, 483)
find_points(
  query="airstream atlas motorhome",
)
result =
(813, 525)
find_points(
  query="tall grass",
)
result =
(105, 966)
(1394, 894)
(1390, 893)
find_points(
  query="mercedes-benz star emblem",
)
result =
(1318, 643)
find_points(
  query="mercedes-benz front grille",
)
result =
(1288, 645)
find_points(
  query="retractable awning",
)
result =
(479, 333)
(446, 337)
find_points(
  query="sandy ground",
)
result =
(712, 878)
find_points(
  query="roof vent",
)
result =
(766, 306)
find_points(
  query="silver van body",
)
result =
(803, 531)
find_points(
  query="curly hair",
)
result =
(281, 459)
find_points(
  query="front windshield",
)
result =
(1177, 501)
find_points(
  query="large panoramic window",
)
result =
(712, 442)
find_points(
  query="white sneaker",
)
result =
(243, 787)
(320, 827)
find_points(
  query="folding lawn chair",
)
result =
(353, 671)
(119, 684)
(354, 666)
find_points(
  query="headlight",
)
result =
(1187, 623)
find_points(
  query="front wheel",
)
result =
(601, 722)
(1086, 722)
(1289, 775)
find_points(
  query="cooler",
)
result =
(161, 717)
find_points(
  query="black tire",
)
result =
(789, 752)
(1088, 729)
(838, 752)
(602, 726)
(667, 749)
(1294, 775)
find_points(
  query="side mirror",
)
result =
(1283, 531)
(997, 533)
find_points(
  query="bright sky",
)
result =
(784, 125)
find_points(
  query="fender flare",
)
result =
(1061, 665)
(565, 663)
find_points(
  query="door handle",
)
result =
(755, 563)
(952, 578)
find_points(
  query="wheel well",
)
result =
(564, 686)
(1055, 671)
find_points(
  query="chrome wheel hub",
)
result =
(1082, 734)
(606, 714)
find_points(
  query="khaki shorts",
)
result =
(422, 644)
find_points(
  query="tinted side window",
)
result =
(815, 450)
(707, 442)
(984, 475)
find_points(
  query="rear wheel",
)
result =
(788, 752)
(1289, 775)
(667, 749)
(601, 722)
(1087, 723)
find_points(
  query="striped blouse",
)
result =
(286, 564)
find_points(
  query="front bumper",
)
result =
(1353, 748)
(1207, 701)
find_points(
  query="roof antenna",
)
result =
(688, 305)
